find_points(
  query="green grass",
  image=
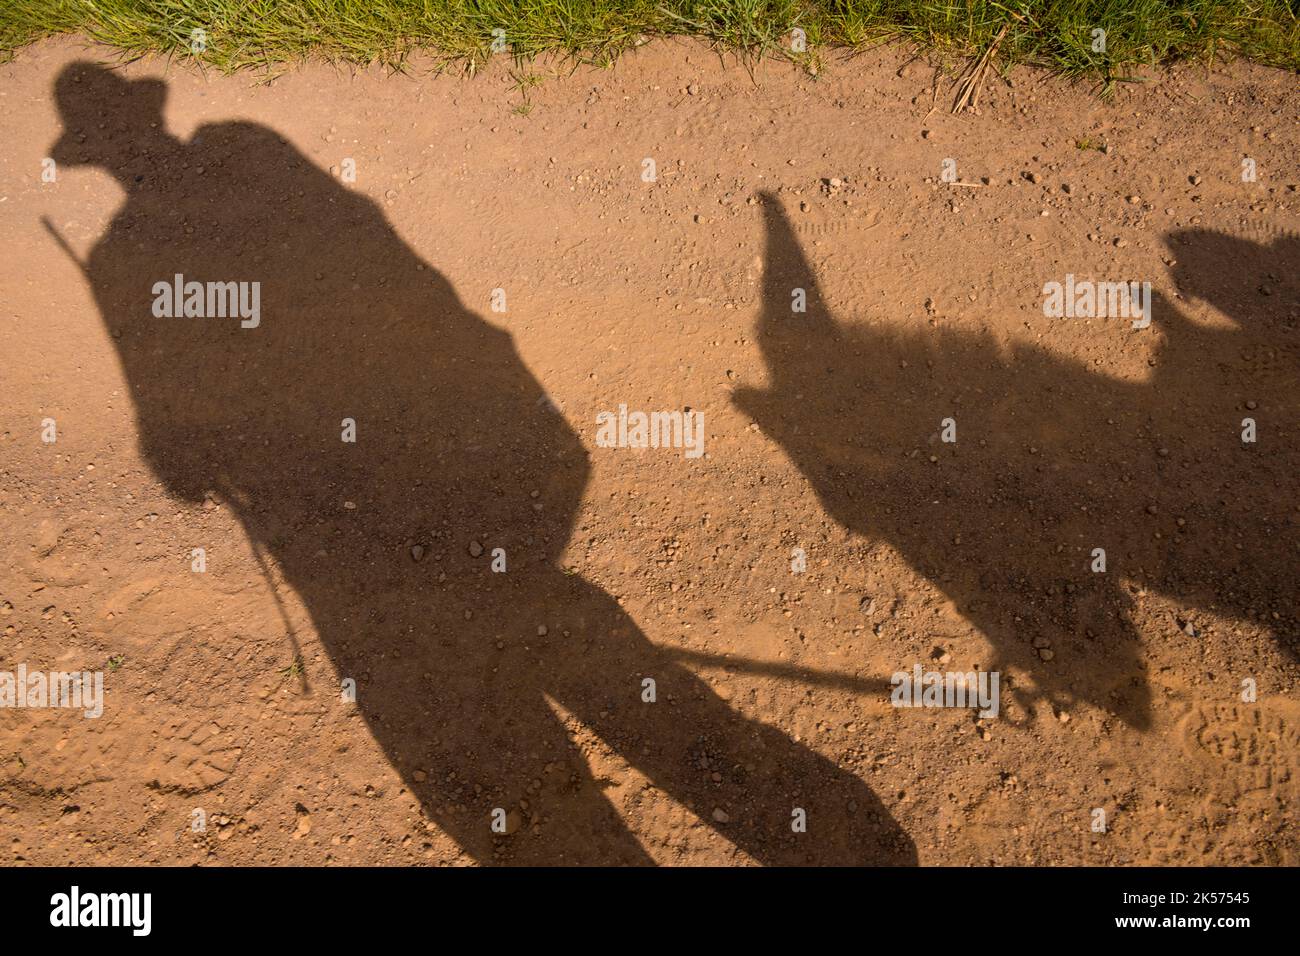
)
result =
(1054, 33)
(295, 669)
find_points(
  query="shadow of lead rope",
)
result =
(803, 675)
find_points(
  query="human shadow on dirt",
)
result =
(455, 443)
(1053, 460)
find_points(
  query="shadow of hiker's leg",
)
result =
(576, 821)
(693, 745)
(523, 770)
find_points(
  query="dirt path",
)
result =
(485, 287)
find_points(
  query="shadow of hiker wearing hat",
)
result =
(454, 442)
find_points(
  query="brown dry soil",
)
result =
(476, 430)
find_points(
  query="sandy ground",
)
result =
(476, 429)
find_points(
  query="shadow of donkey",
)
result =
(1052, 460)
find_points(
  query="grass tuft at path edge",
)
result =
(1061, 35)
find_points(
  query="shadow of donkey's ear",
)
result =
(793, 310)
(796, 331)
